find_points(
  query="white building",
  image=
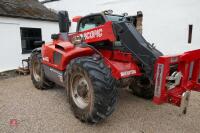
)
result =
(21, 23)
(165, 23)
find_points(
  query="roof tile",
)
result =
(31, 9)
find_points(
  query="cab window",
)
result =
(91, 22)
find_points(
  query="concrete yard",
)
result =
(24, 109)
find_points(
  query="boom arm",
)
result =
(143, 51)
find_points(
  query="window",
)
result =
(28, 37)
(114, 18)
(91, 22)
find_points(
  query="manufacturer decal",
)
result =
(126, 73)
(92, 34)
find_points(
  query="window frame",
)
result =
(29, 38)
(113, 15)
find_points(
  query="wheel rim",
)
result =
(80, 91)
(36, 71)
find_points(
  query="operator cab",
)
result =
(95, 20)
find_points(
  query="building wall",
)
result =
(165, 22)
(11, 51)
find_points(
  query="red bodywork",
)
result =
(121, 63)
(66, 49)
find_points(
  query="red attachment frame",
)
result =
(189, 66)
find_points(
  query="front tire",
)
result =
(37, 73)
(91, 88)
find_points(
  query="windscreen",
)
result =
(114, 18)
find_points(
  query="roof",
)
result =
(29, 9)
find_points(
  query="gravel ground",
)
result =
(48, 111)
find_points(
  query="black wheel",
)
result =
(91, 89)
(142, 87)
(37, 72)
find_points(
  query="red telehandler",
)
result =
(107, 52)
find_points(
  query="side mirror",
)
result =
(76, 18)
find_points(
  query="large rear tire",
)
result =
(91, 89)
(37, 73)
(142, 87)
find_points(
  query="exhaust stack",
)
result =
(64, 24)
